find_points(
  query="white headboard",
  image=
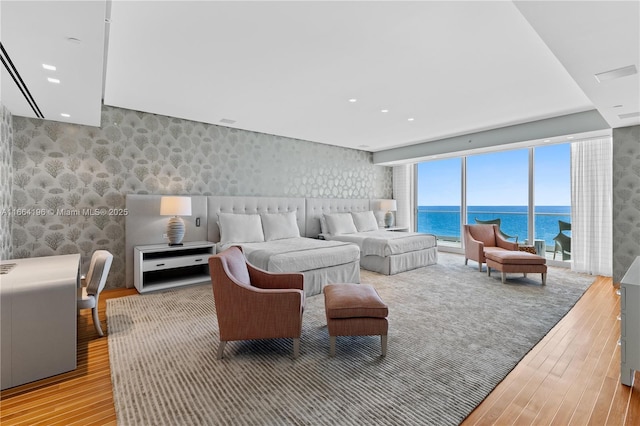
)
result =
(251, 205)
(316, 207)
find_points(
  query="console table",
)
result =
(630, 323)
(161, 266)
(38, 317)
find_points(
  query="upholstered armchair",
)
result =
(480, 238)
(255, 304)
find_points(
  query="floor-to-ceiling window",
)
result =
(439, 207)
(499, 185)
(552, 187)
(497, 189)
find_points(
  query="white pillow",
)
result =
(278, 226)
(340, 223)
(240, 228)
(365, 221)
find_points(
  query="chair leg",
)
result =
(296, 347)
(504, 277)
(466, 261)
(525, 274)
(332, 345)
(488, 271)
(383, 344)
(221, 349)
(96, 321)
(544, 278)
(480, 266)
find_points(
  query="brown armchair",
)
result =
(481, 238)
(255, 304)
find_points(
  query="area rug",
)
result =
(454, 334)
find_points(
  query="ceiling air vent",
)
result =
(227, 121)
(629, 115)
(617, 73)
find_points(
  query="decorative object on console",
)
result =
(176, 207)
(389, 206)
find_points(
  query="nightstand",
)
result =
(396, 229)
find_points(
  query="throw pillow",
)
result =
(240, 228)
(277, 226)
(365, 221)
(340, 223)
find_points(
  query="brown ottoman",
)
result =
(355, 310)
(516, 261)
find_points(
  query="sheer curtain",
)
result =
(591, 206)
(402, 190)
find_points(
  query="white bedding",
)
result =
(298, 254)
(386, 243)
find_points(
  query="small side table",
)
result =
(528, 249)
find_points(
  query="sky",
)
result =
(499, 179)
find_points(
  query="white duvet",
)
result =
(386, 243)
(298, 254)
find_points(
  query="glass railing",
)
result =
(444, 222)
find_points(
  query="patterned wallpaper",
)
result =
(70, 181)
(6, 182)
(626, 199)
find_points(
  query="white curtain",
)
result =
(402, 193)
(591, 206)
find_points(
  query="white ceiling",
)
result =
(290, 68)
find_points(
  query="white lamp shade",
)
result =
(388, 205)
(175, 206)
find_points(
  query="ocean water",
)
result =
(444, 221)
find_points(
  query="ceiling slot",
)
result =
(15, 75)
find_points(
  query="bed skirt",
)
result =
(397, 263)
(316, 279)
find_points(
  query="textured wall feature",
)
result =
(626, 199)
(6, 182)
(73, 179)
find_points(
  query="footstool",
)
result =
(516, 261)
(355, 310)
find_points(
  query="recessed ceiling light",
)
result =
(410, 119)
(617, 106)
(617, 73)
(363, 146)
(48, 67)
(569, 137)
(74, 40)
(65, 115)
(353, 100)
(547, 140)
(227, 121)
(384, 110)
(53, 80)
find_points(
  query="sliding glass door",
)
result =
(552, 183)
(527, 190)
(497, 190)
(439, 196)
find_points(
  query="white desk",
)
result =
(38, 318)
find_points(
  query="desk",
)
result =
(38, 317)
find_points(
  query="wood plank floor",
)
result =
(570, 378)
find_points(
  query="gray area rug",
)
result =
(454, 334)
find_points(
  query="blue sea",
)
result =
(444, 221)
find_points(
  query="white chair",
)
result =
(96, 278)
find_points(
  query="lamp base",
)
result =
(388, 219)
(175, 231)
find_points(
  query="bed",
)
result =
(271, 231)
(382, 251)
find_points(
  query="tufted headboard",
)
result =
(316, 207)
(251, 205)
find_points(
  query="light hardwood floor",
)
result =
(570, 377)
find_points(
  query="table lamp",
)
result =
(176, 207)
(390, 206)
